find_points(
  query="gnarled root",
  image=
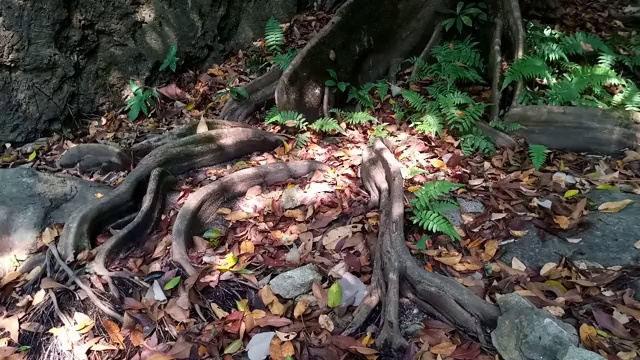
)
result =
(201, 206)
(440, 296)
(200, 150)
(261, 91)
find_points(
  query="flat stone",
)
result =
(525, 332)
(609, 240)
(94, 157)
(292, 197)
(576, 353)
(295, 282)
(470, 206)
(32, 201)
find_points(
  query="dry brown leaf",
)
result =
(113, 330)
(332, 237)
(238, 215)
(300, 308)
(614, 206)
(160, 356)
(562, 221)
(247, 247)
(490, 249)
(547, 267)
(9, 278)
(276, 308)
(444, 349)
(202, 126)
(320, 294)
(325, 322)
(12, 326)
(287, 349)
(449, 259)
(267, 295)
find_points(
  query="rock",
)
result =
(58, 57)
(470, 206)
(609, 240)
(455, 216)
(93, 157)
(576, 353)
(30, 201)
(527, 333)
(294, 282)
(411, 319)
(292, 197)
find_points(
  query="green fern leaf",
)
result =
(415, 100)
(477, 142)
(428, 124)
(538, 155)
(284, 59)
(302, 140)
(274, 35)
(359, 118)
(326, 125)
(527, 68)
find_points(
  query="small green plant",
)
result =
(504, 127)
(538, 155)
(362, 95)
(170, 61)
(235, 92)
(334, 82)
(274, 36)
(302, 140)
(283, 60)
(326, 125)
(465, 15)
(429, 207)
(285, 118)
(256, 64)
(142, 100)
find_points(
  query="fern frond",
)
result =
(435, 189)
(504, 127)
(284, 59)
(302, 140)
(284, 117)
(428, 123)
(359, 118)
(326, 125)
(460, 111)
(432, 221)
(415, 100)
(580, 43)
(476, 142)
(527, 68)
(274, 35)
(538, 155)
(628, 98)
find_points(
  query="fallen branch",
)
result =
(201, 206)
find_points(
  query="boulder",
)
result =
(59, 56)
(93, 157)
(609, 240)
(525, 332)
(30, 201)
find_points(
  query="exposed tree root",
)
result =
(205, 149)
(512, 13)
(436, 37)
(440, 296)
(141, 149)
(261, 91)
(495, 65)
(201, 207)
(135, 231)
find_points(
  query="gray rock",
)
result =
(608, 241)
(470, 206)
(30, 201)
(527, 333)
(56, 58)
(93, 157)
(411, 319)
(576, 353)
(455, 216)
(292, 197)
(294, 282)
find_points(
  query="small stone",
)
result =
(294, 282)
(576, 353)
(454, 216)
(292, 197)
(470, 206)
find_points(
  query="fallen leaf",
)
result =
(450, 259)
(287, 349)
(334, 295)
(12, 326)
(444, 349)
(571, 193)
(10, 277)
(300, 308)
(562, 221)
(172, 283)
(325, 322)
(610, 323)
(113, 330)
(614, 206)
(258, 346)
(518, 265)
(636, 245)
(547, 267)
(233, 348)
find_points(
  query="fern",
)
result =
(527, 68)
(504, 127)
(326, 125)
(538, 155)
(285, 118)
(382, 87)
(580, 43)
(476, 142)
(302, 140)
(460, 111)
(359, 118)
(429, 209)
(415, 100)
(274, 35)
(362, 96)
(429, 124)
(284, 59)
(628, 98)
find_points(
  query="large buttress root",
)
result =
(200, 150)
(201, 206)
(440, 296)
(261, 91)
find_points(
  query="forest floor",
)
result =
(324, 220)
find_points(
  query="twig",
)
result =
(65, 319)
(92, 296)
(435, 38)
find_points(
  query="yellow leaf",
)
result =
(300, 308)
(606, 187)
(243, 306)
(276, 307)
(413, 189)
(287, 147)
(288, 349)
(267, 295)
(239, 215)
(450, 259)
(83, 323)
(218, 312)
(247, 247)
(228, 262)
(571, 193)
(224, 211)
(562, 221)
(190, 106)
(614, 206)
(587, 332)
(32, 156)
(438, 164)
(215, 71)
